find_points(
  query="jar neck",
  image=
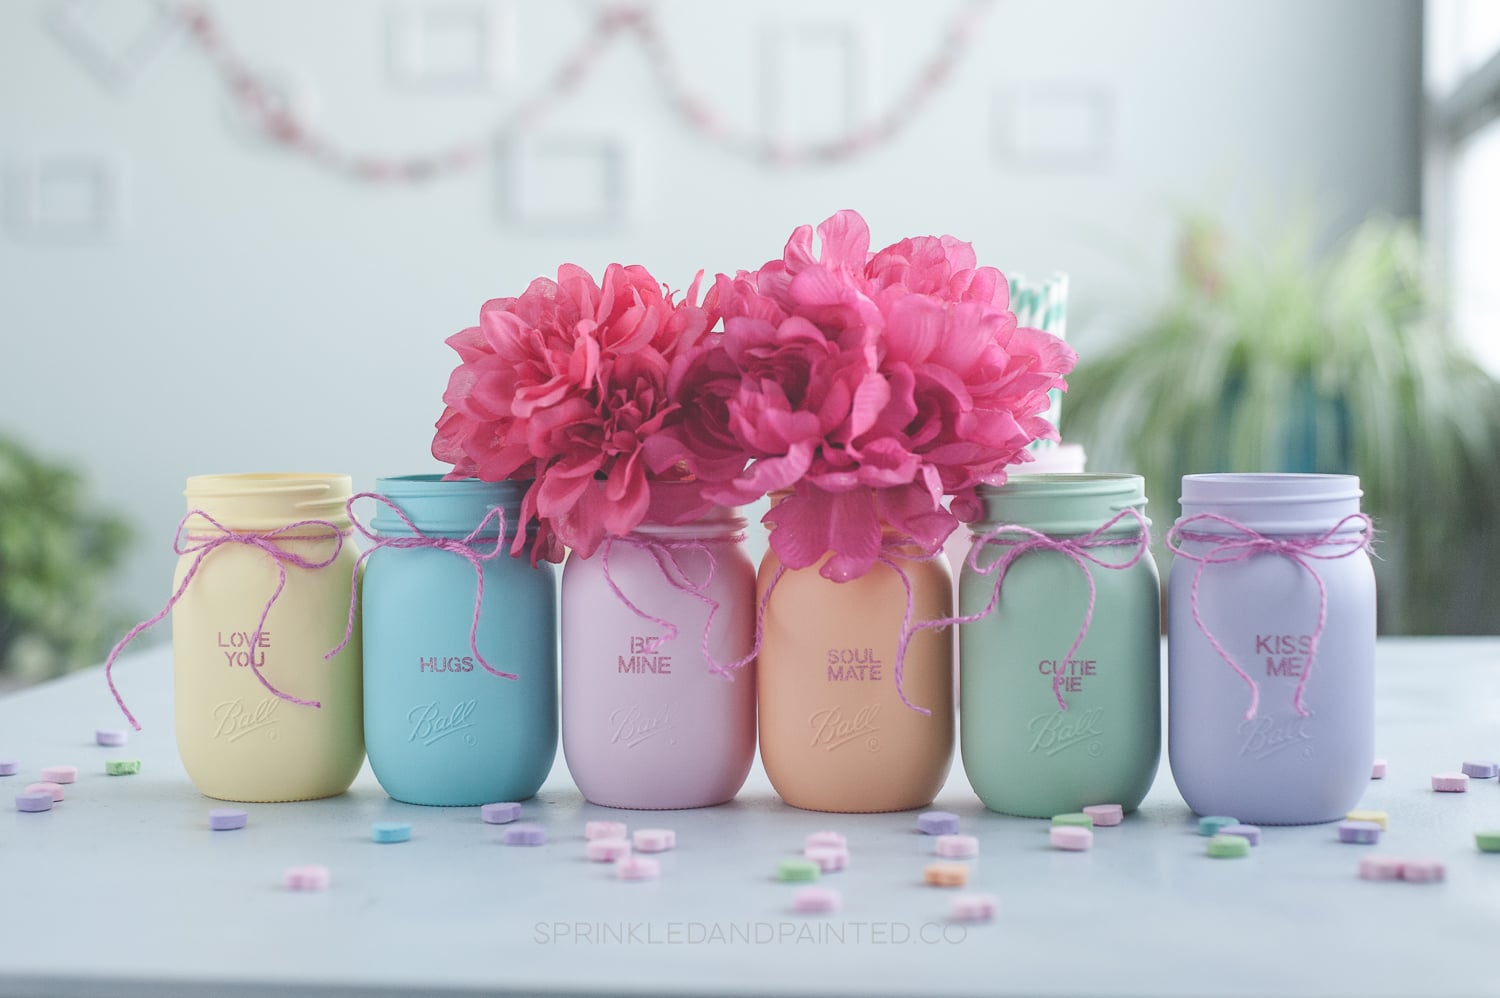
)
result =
(436, 505)
(1270, 503)
(258, 502)
(710, 529)
(1064, 503)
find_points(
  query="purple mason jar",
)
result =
(1271, 647)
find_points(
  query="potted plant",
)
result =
(1271, 360)
(56, 554)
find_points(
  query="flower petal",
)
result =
(846, 241)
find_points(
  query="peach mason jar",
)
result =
(834, 734)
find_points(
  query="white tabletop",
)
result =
(123, 890)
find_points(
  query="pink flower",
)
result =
(860, 387)
(564, 385)
(848, 525)
(696, 439)
(870, 385)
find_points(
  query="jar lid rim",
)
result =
(456, 486)
(1079, 483)
(264, 483)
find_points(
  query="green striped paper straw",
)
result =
(1043, 306)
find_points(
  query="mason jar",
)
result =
(835, 733)
(1271, 647)
(440, 727)
(658, 694)
(1060, 691)
(273, 546)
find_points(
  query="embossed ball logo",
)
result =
(1057, 731)
(832, 728)
(430, 723)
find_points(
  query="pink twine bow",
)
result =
(1229, 549)
(906, 627)
(888, 559)
(463, 547)
(1080, 550)
(266, 541)
(664, 554)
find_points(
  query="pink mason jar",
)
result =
(658, 692)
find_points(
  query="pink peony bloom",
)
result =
(564, 385)
(696, 439)
(869, 386)
(861, 387)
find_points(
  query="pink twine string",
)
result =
(905, 634)
(1080, 550)
(266, 541)
(665, 555)
(1245, 544)
(464, 547)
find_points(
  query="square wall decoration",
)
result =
(814, 79)
(112, 40)
(64, 197)
(1064, 125)
(450, 47)
(564, 182)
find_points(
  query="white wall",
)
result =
(179, 297)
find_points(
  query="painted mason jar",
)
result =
(261, 716)
(444, 603)
(1271, 647)
(1060, 702)
(835, 734)
(658, 685)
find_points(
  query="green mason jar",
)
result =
(1060, 651)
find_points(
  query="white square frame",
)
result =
(33, 183)
(778, 93)
(1024, 140)
(522, 166)
(410, 29)
(114, 63)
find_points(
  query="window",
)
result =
(1461, 207)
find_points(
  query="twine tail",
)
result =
(669, 630)
(478, 602)
(1312, 651)
(664, 556)
(724, 670)
(906, 633)
(109, 663)
(255, 643)
(995, 568)
(354, 574)
(1223, 652)
(760, 617)
(353, 604)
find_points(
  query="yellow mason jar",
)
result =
(273, 546)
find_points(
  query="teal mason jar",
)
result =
(1053, 717)
(439, 727)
